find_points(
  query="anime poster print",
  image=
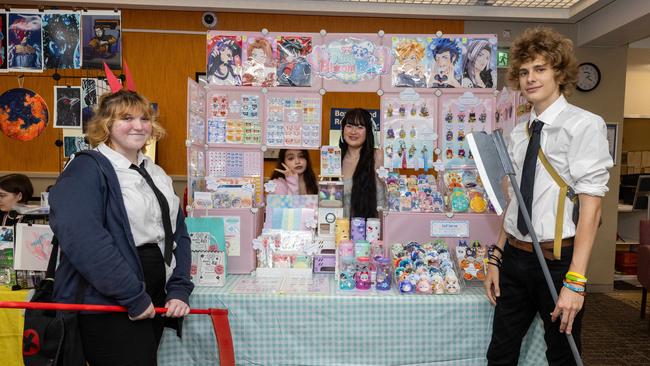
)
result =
(25, 42)
(101, 40)
(260, 54)
(446, 67)
(61, 44)
(479, 62)
(3, 42)
(293, 67)
(67, 110)
(33, 247)
(411, 66)
(23, 114)
(408, 131)
(224, 59)
(351, 60)
(460, 115)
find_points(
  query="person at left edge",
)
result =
(110, 231)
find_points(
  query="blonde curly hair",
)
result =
(407, 46)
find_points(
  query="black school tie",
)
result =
(164, 210)
(528, 175)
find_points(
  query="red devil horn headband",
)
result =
(115, 83)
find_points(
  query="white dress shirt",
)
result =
(142, 207)
(575, 143)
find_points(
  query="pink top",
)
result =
(287, 186)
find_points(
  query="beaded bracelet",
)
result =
(494, 247)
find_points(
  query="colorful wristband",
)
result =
(577, 275)
(577, 289)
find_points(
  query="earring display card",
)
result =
(293, 121)
(234, 117)
(461, 114)
(408, 131)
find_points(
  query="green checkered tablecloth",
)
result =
(343, 329)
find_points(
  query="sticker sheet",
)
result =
(293, 121)
(461, 114)
(234, 163)
(408, 131)
(224, 59)
(260, 57)
(294, 68)
(330, 161)
(25, 42)
(234, 117)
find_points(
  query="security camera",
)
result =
(209, 19)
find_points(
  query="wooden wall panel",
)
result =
(162, 62)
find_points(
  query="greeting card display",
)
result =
(223, 58)
(293, 121)
(260, 57)
(233, 117)
(461, 114)
(408, 131)
(347, 60)
(330, 161)
(479, 61)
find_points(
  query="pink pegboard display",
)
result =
(293, 121)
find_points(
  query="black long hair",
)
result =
(308, 176)
(363, 201)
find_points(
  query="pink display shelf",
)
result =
(250, 226)
(404, 227)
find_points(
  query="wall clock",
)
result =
(588, 77)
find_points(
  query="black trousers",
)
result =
(524, 293)
(112, 339)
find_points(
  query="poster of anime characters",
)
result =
(479, 62)
(446, 62)
(3, 42)
(224, 59)
(33, 247)
(61, 45)
(411, 67)
(25, 42)
(293, 67)
(259, 66)
(101, 40)
(461, 114)
(408, 131)
(67, 109)
(351, 60)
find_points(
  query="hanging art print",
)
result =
(67, 110)
(293, 67)
(25, 43)
(351, 60)
(446, 62)
(259, 66)
(61, 45)
(23, 114)
(479, 62)
(101, 40)
(91, 90)
(411, 67)
(33, 247)
(224, 59)
(3, 42)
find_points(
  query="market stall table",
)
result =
(345, 329)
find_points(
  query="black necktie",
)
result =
(528, 175)
(164, 210)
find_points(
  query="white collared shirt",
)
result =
(142, 207)
(575, 143)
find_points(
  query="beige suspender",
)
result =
(564, 192)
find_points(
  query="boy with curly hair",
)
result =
(561, 145)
